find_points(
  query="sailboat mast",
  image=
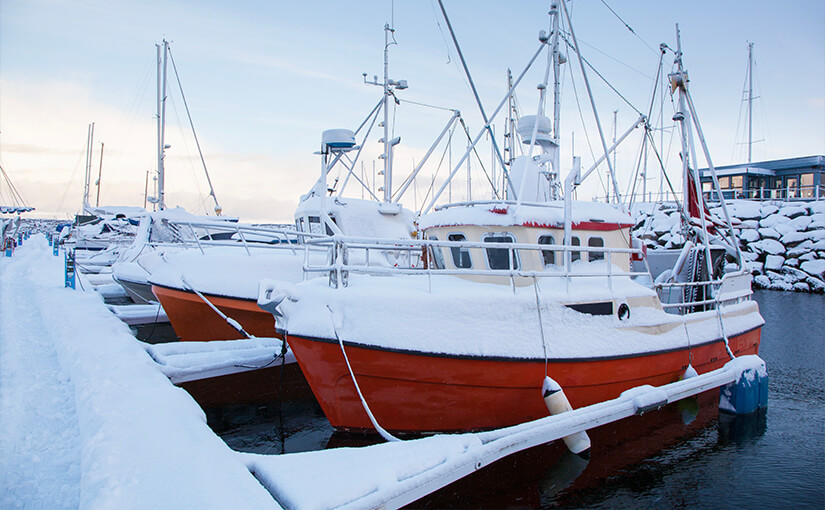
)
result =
(90, 136)
(750, 101)
(161, 203)
(99, 175)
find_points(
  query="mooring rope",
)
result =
(541, 323)
(378, 428)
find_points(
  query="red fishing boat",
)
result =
(508, 292)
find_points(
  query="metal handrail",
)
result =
(338, 267)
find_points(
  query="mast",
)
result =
(554, 11)
(386, 123)
(99, 175)
(161, 195)
(750, 100)
(388, 85)
(90, 136)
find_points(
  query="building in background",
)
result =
(785, 179)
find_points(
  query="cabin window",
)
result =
(437, 256)
(724, 182)
(299, 224)
(461, 256)
(499, 258)
(548, 256)
(736, 182)
(595, 242)
(575, 255)
(315, 225)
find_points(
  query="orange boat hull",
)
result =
(418, 392)
(194, 320)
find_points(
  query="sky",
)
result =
(264, 79)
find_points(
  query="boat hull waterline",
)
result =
(418, 392)
(193, 320)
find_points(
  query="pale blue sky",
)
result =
(263, 79)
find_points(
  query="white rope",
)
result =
(378, 428)
(541, 323)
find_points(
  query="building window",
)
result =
(499, 258)
(791, 187)
(461, 256)
(548, 256)
(595, 242)
(806, 185)
(575, 255)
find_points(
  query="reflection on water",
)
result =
(684, 455)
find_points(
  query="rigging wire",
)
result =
(628, 27)
(194, 134)
(441, 31)
(584, 126)
(564, 38)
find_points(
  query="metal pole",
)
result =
(750, 100)
(99, 175)
(478, 137)
(593, 106)
(386, 139)
(472, 86)
(162, 141)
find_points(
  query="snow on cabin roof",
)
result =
(550, 214)
(360, 218)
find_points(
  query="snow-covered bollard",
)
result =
(747, 394)
(557, 403)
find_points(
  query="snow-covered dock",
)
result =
(89, 419)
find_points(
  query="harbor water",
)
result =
(686, 455)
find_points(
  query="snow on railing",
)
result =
(202, 235)
(419, 257)
(717, 292)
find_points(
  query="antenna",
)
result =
(389, 87)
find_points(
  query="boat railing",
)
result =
(211, 234)
(347, 255)
(731, 288)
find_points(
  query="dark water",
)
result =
(686, 455)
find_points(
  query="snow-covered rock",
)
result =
(778, 240)
(793, 211)
(749, 236)
(771, 246)
(814, 268)
(774, 262)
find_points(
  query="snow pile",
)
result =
(87, 419)
(783, 243)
